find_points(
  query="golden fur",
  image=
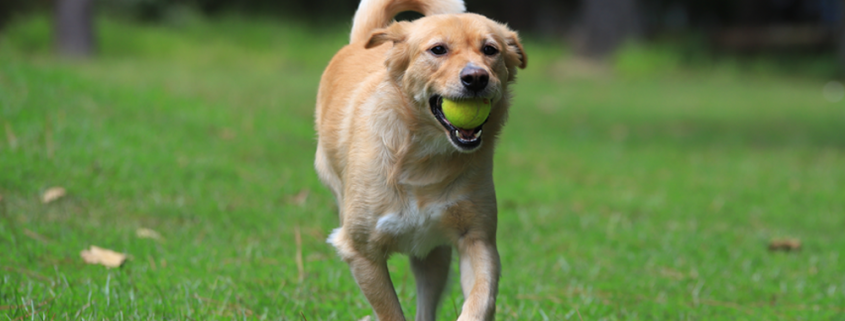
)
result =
(401, 183)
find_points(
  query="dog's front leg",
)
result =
(374, 280)
(480, 269)
(431, 274)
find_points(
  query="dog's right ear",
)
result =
(398, 57)
(395, 32)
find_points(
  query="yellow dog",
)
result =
(405, 179)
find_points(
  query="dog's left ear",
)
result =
(395, 32)
(515, 55)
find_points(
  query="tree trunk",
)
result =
(608, 24)
(75, 27)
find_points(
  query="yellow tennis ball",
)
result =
(466, 113)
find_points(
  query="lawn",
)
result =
(622, 195)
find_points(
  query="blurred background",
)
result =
(782, 29)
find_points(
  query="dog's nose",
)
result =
(474, 78)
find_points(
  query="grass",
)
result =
(622, 195)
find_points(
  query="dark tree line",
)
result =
(600, 26)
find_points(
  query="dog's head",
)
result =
(456, 56)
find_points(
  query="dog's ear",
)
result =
(515, 55)
(395, 32)
(398, 57)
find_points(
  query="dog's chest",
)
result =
(415, 230)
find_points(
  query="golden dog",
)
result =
(405, 179)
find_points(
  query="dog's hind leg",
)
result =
(374, 280)
(431, 274)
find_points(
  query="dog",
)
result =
(405, 179)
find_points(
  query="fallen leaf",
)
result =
(52, 194)
(106, 257)
(146, 233)
(788, 244)
(366, 318)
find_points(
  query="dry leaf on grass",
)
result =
(786, 245)
(52, 194)
(146, 233)
(108, 258)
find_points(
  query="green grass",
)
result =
(623, 194)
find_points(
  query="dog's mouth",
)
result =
(465, 139)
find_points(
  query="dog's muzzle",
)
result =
(465, 139)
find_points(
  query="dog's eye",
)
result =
(438, 50)
(490, 50)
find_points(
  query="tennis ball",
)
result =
(466, 113)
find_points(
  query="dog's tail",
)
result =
(374, 14)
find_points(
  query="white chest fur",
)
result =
(416, 230)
